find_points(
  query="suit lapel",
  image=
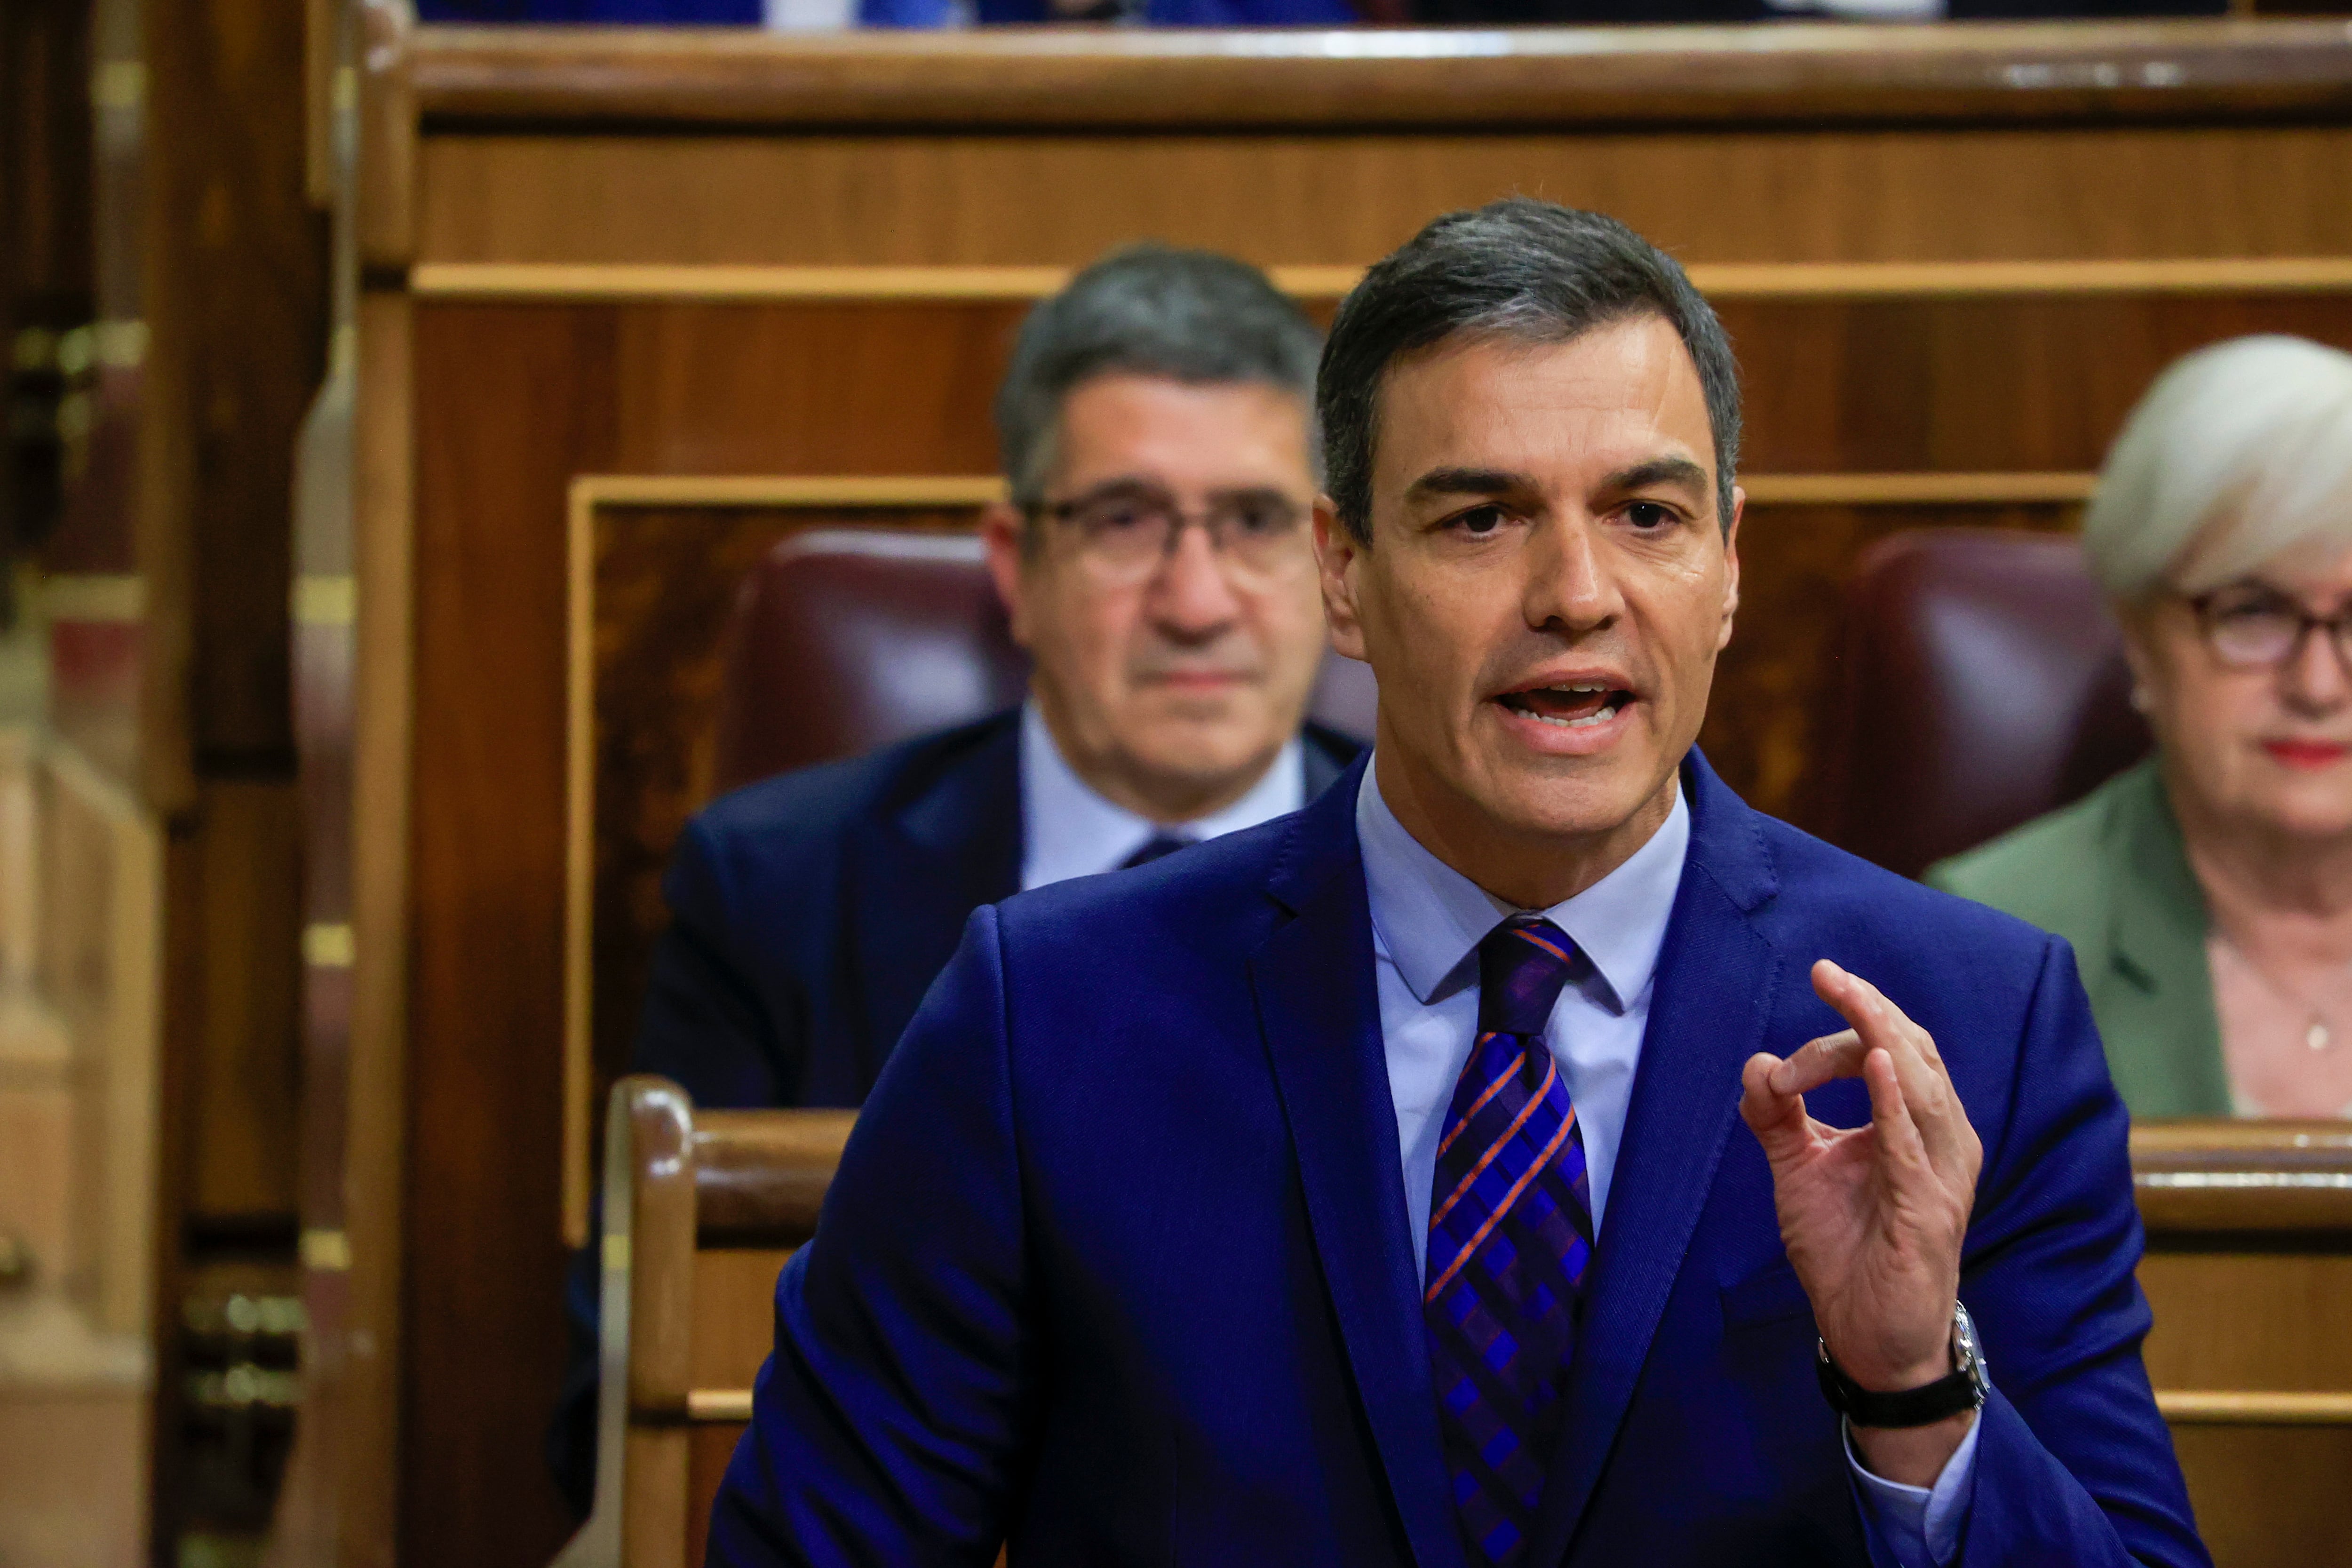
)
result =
(1710, 1001)
(918, 872)
(2156, 938)
(1319, 1008)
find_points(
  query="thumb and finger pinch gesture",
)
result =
(1872, 1216)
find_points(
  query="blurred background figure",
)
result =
(1155, 430)
(2208, 892)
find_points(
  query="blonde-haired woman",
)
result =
(2207, 892)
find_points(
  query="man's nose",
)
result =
(1569, 582)
(1191, 595)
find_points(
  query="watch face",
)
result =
(1967, 1355)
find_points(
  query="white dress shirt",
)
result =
(1068, 830)
(1427, 922)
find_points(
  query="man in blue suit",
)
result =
(1155, 425)
(1172, 663)
(1366, 1188)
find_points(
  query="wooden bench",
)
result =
(2249, 1269)
(702, 1209)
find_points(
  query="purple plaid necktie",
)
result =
(1510, 1235)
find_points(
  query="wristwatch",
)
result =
(1963, 1388)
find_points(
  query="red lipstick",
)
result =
(2305, 753)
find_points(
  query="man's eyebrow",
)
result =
(1469, 482)
(1660, 472)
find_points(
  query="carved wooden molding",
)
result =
(509, 78)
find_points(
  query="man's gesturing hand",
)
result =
(1873, 1216)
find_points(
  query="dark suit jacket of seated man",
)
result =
(1369, 1188)
(1159, 390)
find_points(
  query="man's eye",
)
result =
(1648, 516)
(1116, 517)
(1480, 520)
(1262, 517)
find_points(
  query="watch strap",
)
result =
(1922, 1406)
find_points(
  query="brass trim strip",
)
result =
(601, 282)
(327, 944)
(325, 599)
(2184, 1407)
(2245, 1180)
(716, 1405)
(2209, 1408)
(773, 489)
(616, 282)
(592, 492)
(1916, 489)
(326, 1251)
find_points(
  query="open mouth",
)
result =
(1575, 706)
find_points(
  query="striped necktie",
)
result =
(1510, 1236)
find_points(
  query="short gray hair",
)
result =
(1147, 310)
(2239, 453)
(1519, 269)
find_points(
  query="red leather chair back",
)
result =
(1987, 685)
(845, 639)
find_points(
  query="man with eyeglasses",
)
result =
(1156, 428)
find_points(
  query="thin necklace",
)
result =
(2316, 1035)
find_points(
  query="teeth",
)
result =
(1601, 715)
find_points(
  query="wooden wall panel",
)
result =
(2269, 1495)
(2262, 1494)
(839, 388)
(2033, 384)
(482, 1353)
(2013, 383)
(1777, 195)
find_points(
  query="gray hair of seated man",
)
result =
(1519, 269)
(2238, 454)
(1191, 316)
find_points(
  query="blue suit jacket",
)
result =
(811, 912)
(1116, 1265)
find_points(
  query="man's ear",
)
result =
(1001, 529)
(1731, 568)
(1336, 552)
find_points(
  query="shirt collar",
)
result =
(1070, 830)
(1429, 918)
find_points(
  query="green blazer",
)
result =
(2109, 875)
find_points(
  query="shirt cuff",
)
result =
(1921, 1524)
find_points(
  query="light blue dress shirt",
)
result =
(1068, 830)
(1427, 921)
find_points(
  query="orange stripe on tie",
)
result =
(1552, 1072)
(1463, 1257)
(1492, 1089)
(1526, 935)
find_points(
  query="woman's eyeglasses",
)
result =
(2250, 626)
